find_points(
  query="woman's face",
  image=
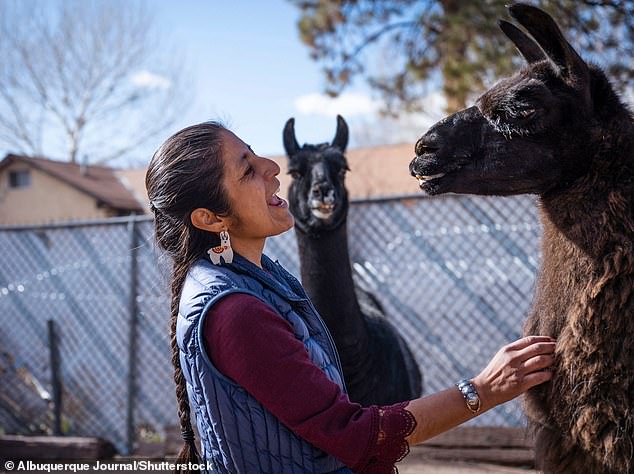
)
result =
(251, 184)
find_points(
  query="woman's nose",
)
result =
(271, 168)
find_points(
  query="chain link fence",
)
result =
(455, 275)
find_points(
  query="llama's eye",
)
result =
(295, 174)
(526, 113)
(342, 173)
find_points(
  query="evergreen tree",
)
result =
(402, 46)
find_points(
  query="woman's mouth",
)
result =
(276, 201)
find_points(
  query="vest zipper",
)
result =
(332, 344)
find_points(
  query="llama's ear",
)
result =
(290, 142)
(548, 35)
(524, 43)
(341, 137)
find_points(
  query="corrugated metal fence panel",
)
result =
(455, 275)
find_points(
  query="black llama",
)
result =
(377, 364)
(557, 129)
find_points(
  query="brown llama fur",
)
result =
(557, 129)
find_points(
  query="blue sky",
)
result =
(251, 70)
(246, 66)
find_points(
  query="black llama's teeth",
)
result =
(422, 179)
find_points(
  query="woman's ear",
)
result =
(204, 219)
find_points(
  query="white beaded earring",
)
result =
(224, 250)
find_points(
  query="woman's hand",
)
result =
(514, 369)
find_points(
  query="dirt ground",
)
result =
(433, 467)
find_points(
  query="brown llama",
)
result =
(557, 129)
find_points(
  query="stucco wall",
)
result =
(134, 181)
(47, 199)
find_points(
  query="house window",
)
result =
(19, 179)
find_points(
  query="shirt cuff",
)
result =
(395, 423)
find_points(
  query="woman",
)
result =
(250, 349)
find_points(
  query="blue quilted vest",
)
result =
(239, 435)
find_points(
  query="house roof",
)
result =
(100, 182)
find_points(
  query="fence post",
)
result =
(132, 340)
(55, 379)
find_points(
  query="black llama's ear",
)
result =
(548, 35)
(341, 137)
(524, 43)
(290, 142)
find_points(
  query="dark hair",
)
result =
(184, 174)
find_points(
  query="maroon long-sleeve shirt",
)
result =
(251, 344)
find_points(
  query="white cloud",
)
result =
(350, 105)
(367, 126)
(150, 80)
(434, 106)
(628, 95)
(347, 105)
(374, 129)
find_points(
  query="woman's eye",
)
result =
(249, 171)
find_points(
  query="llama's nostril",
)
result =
(428, 143)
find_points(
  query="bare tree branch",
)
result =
(372, 37)
(86, 72)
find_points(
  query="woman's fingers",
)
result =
(517, 367)
(538, 362)
(536, 349)
(535, 378)
(528, 341)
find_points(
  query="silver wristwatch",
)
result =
(470, 395)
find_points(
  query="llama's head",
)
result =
(317, 195)
(531, 133)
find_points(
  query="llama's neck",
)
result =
(594, 213)
(588, 229)
(590, 224)
(327, 277)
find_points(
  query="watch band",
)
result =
(470, 395)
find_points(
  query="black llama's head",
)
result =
(534, 132)
(317, 195)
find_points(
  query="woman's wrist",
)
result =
(486, 399)
(470, 395)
